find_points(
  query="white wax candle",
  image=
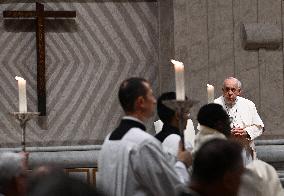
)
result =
(22, 94)
(179, 76)
(210, 93)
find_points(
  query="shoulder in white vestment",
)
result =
(261, 179)
(135, 165)
(204, 135)
(171, 144)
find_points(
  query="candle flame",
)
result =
(19, 78)
(176, 62)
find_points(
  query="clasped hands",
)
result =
(242, 136)
(239, 132)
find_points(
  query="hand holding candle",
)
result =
(210, 93)
(179, 77)
(22, 94)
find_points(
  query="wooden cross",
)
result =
(40, 16)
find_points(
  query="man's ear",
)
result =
(139, 102)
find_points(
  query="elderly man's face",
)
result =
(230, 91)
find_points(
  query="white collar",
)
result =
(205, 128)
(234, 104)
(133, 118)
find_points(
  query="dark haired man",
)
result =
(131, 161)
(217, 169)
(214, 122)
(169, 136)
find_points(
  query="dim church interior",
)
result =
(135, 32)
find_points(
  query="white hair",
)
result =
(11, 165)
(239, 84)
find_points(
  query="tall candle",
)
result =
(179, 77)
(210, 93)
(22, 94)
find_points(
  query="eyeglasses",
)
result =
(227, 89)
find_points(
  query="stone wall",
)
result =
(86, 60)
(208, 39)
(112, 40)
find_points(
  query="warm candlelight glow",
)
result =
(179, 78)
(22, 94)
(210, 93)
(178, 65)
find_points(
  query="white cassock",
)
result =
(137, 165)
(171, 142)
(244, 115)
(260, 179)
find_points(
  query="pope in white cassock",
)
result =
(245, 122)
(258, 178)
(131, 161)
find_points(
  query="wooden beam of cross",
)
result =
(40, 16)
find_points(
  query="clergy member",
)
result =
(131, 161)
(217, 169)
(246, 125)
(213, 122)
(169, 136)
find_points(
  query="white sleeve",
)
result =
(155, 173)
(257, 126)
(170, 144)
(254, 131)
(182, 172)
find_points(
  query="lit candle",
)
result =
(22, 94)
(210, 93)
(179, 76)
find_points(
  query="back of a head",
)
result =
(214, 116)
(214, 159)
(40, 173)
(11, 166)
(129, 90)
(60, 184)
(165, 113)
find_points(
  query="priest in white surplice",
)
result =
(245, 122)
(131, 161)
(169, 136)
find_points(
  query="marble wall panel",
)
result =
(271, 72)
(86, 59)
(192, 27)
(214, 51)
